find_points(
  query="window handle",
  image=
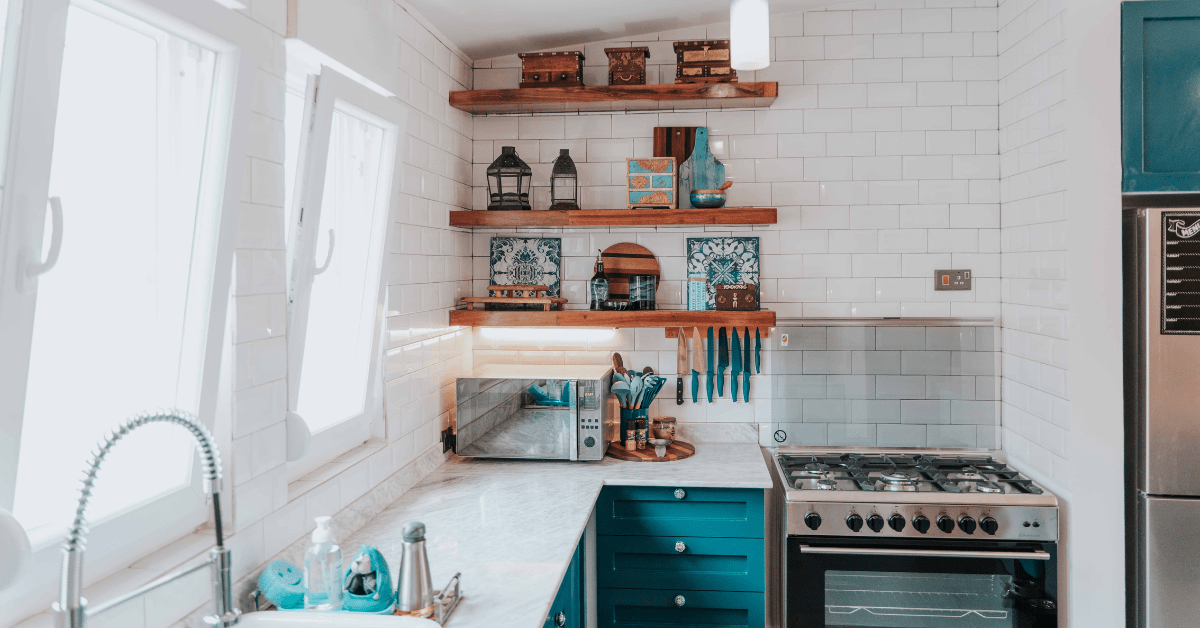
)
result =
(33, 269)
(328, 257)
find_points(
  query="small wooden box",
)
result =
(551, 69)
(652, 183)
(704, 61)
(627, 66)
(736, 296)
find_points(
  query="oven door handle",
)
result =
(872, 551)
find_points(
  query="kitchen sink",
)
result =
(299, 619)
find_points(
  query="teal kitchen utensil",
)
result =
(757, 352)
(621, 389)
(722, 360)
(736, 372)
(746, 368)
(697, 362)
(709, 364)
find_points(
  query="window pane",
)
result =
(112, 317)
(341, 318)
(293, 114)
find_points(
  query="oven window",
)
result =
(866, 598)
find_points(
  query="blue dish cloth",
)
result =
(381, 595)
(283, 585)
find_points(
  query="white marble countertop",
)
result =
(511, 527)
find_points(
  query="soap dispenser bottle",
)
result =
(323, 570)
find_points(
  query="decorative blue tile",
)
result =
(527, 261)
(723, 261)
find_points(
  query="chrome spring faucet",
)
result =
(71, 610)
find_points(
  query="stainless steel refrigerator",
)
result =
(1162, 415)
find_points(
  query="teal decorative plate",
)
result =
(526, 261)
(722, 261)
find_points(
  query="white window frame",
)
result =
(116, 541)
(325, 93)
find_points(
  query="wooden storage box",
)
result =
(736, 296)
(652, 183)
(703, 62)
(551, 69)
(627, 66)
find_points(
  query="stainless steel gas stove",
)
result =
(916, 538)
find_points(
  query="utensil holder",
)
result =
(630, 415)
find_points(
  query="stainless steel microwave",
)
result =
(542, 412)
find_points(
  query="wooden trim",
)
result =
(608, 97)
(594, 318)
(615, 217)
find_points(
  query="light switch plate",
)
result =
(951, 280)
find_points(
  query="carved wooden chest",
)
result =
(703, 62)
(627, 66)
(551, 69)
(652, 182)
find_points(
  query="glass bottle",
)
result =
(598, 286)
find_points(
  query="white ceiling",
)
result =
(491, 28)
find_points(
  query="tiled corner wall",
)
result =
(881, 154)
(1033, 188)
(428, 269)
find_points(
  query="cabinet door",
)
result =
(1160, 109)
(567, 609)
(683, 511)
(641, 608)
(694, 563)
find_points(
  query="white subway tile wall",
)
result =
(1033, 238)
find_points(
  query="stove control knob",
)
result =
(989, 525)
(945, 524)
(875, 522)
(966, 524)
(854, 522)
(921, 524)
(896, 522)
(812, 520)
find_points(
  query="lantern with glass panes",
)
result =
(564, 182)
(508, 181)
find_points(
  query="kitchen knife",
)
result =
(746, 368)
(697, 362)
(736, 371)
(722, 360)
(680, 366)
(709, 364)
(757, 352)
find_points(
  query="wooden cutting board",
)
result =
(624, 260)
(677, 450)
(674, 141)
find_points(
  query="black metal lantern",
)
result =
(508, 181)
(564, 182)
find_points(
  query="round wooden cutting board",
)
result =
(624, 260)
(677, 450)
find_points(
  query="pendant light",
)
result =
(749, 34)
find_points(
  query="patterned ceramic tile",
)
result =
(723, 260)
(527, 261)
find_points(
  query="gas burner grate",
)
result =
(890, 472)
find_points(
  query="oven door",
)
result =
(838, 582)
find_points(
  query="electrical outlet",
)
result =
(783, 338)
(951, 280)
(448, 440)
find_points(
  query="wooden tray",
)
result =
(677, 450)
(624, 260)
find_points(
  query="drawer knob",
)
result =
(680, 547)
(560, 619)
(679, 601)
(680, 493)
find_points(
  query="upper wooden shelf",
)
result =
(616, 97)
(615, 217)
(591, 318)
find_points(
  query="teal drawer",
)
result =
(639, 608)
(679, 562)
(661, 511)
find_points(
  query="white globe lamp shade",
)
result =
(749, 34)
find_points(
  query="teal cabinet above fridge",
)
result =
(1160, 96)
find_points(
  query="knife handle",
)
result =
(679, 390)
(695, 386)
(746, 386)
(710, 387)
(733, 385)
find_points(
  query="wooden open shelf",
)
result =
(588, 318)
(615, 217)
(616, 97)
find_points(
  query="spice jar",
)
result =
(642, 433)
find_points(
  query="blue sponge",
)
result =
(283, 584)
(367, 583)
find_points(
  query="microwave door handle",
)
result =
(878, 551)
(573, 419)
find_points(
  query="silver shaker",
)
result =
(414, 587)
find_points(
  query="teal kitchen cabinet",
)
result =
(689, 556)
(1160, 96)
(567, 609)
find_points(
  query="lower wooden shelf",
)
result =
(591, 318)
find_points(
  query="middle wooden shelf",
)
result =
(484, 219)
(593, 318)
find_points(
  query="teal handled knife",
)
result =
(709, 364)
(757, 352)
(697, 362)
(737, 365)
(722, 360)
(746, 368)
